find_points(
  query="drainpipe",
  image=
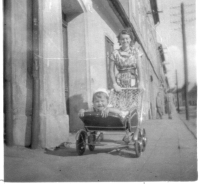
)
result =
(35, 128)
(8, 74)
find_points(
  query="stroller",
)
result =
(129, 100)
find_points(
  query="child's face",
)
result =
(100, 103)
(125, 40)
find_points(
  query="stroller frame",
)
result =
(94, 122)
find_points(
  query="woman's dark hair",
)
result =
(129, 32)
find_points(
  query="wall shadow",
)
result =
(76, 103)
(71, 152)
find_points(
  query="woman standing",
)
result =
(127, 61)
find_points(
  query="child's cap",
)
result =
(102, 90)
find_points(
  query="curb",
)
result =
(188, 127)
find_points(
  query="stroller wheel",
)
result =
(143, 132)
(91, 147)
(144, 142)
(91, 141)
(138, 148)
(81, 144)
(144, 139)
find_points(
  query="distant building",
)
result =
(57, 54)
(192, 95)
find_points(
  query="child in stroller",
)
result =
(101, 104)
(104, 117)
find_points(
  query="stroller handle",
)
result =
(133, 88)
(130, 88)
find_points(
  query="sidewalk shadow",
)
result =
(71, 152)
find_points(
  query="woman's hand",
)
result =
(81, 113)
(105, 112)
(117, 88)
(141, 87)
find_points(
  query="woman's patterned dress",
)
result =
(127, 77)
(126, 64)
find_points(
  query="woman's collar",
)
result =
(126, 52)
(128, 49)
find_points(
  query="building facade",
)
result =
(144, 18)
(56, 54)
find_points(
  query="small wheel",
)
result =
(91, 147)
(91, 140)
(138, 148)
(143, 132)
(144, 139)
(144, 142)
(140, 136)
(81, 144)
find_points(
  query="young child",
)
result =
(101, 104)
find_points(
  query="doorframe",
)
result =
(107, 58)
(66, 60)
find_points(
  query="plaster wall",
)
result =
(146, 31)
(125, 5)
(78, 70)
(21, 59)
(54, 123)
(54, 127)
(98, 30)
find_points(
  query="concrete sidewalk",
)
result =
(170, 155)
(191, 124)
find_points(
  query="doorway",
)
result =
(109, 50)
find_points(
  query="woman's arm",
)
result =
(115, 110)
(112, 71)
(140, 74)
(112, 75)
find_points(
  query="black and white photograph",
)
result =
(99, 91)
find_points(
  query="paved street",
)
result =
(170, 155)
